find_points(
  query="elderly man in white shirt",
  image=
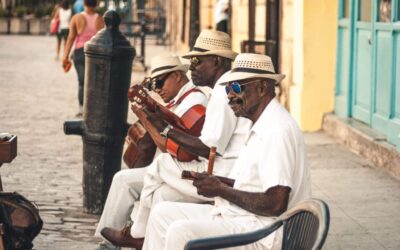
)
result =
(210, 59)
(169, 80)
(271, 173)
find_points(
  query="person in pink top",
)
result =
(82, 27)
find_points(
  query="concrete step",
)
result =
(365, 141)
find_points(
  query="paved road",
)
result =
(36, 97)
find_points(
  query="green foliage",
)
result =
(40, 11)
(20, 11)
(48, 9)
(3, 12)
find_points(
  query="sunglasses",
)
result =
(237, 87)
(158, 83)
(194, 61)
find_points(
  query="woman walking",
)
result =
(64, 15)
(83, 26)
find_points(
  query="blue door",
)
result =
(362, 62)
(368, 63)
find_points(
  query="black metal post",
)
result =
(252, 24)
(194, 28)
(9, 15)
(108, 58)
(272, 31)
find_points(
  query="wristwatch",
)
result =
(164, 133)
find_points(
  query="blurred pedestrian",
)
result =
(63, 14)
(221, 15)
(54, 27)
(82, 27)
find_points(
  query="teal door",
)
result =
(368, 63)
(362, 62)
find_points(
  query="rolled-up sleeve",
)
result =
(220, 121)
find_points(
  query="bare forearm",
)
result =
(68, 47)
(71, 38)
(263, 204)
(190, 143)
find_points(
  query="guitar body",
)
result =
(140, 147)
(193, 121)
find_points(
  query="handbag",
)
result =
(55, 22)
(21, 221)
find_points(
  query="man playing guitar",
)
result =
(210, 58)
(168, 79)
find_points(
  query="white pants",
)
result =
(163, 182)
(124, 191)
(171, 225)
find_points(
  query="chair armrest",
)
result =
(232, 239)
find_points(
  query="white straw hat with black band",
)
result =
(212, 42)
(248, 65)
(161, 65)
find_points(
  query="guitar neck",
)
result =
(167, 115)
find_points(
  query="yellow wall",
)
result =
(314, 48)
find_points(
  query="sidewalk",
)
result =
(35, 99)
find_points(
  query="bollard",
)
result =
(108, 58)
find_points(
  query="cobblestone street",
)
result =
(36, 97)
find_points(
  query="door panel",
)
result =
(383, 79)
(342, 76)
(362, 81)
(394, 123)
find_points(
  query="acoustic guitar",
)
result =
(141, 147)
(191, 121)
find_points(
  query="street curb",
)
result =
(364, 141)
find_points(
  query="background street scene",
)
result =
(36, 97)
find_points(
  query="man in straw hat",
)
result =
(169, 80)
(271, 173)
(210, 58)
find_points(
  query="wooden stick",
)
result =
(211, 159)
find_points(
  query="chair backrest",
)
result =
(306, 225)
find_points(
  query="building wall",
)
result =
(307, 52)
(240, 22)
(286, 50)
(314, 55)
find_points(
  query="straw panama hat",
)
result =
(248, 65)
(164, 64)
(212, 42)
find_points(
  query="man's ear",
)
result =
(178, 75)
(263, 88)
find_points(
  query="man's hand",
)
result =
(66, 64)
(155, 119)
(207, 185)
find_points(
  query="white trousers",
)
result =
(124, 191)
(171, 225)
(163, 182)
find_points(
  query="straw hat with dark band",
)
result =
(212, 42)
(164, 64)
(248, 65)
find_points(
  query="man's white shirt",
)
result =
(273, 154)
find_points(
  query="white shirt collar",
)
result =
(263, 121)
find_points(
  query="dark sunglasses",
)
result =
(158, 83)
(237, 87)
(194, 61)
